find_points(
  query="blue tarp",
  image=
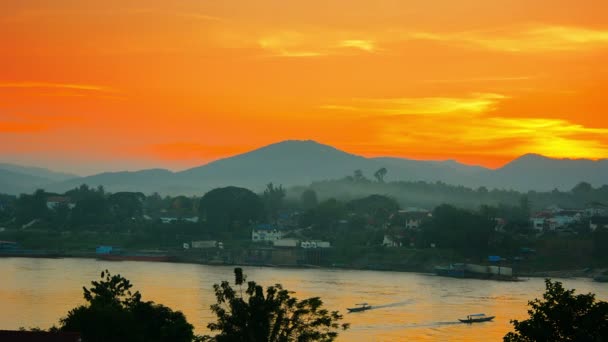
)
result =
(103, 249)
(494, 258)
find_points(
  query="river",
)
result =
(408, 306)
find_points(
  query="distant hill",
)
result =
(15, 183)
(295, 162)
(37, 172)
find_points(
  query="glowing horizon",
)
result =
(113, 85)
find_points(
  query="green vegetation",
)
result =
(114, 313)
(272, 315)
(562, 316)
(361, 218)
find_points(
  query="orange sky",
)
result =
(88, 86)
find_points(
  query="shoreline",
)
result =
(565, 273)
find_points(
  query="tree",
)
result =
(271, 315)
(380, 174)
(562, 316)
(308, 199)
(358, 176)
(114, 313)
(273, 199)
(231, 209)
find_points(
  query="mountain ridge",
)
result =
(300, 162)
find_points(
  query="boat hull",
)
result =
(477, 320)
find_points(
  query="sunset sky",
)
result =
(90, 86)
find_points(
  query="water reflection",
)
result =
(406, 306)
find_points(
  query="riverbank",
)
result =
(189, 258)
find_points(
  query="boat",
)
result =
(477, 318)
(360, 307)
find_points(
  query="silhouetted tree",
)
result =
(562, 316)
(308, 199)
(273, 200)
(270, 315)
(379, 175)
(114, 313)
(231, 209)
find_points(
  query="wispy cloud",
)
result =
(365, 45)
(482, 79)
(73, 86)
(313, 44)
(521, 39)
(475, 103)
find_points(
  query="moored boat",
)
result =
(360, 307)
(477, 318)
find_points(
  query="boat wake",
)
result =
(432, 324)
(390, 305)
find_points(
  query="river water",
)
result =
(408, 306)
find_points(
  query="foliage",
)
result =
(273, 198)
(379, 175)
(378, 207)
(465, 231)
(308, 199)
(270, 315)
(562, 316)
(231, 209)
(114, 313)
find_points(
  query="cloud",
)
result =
(72, 86)
(365, 45)
(521, 39)
(475, 104)
(494, 136)
(313, 44)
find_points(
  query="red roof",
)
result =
(38, 336)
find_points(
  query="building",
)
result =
(598, 222)
(315, 244)
(265, 232)
(411, 218)
(391, 241)
(286, 243)
(55, 201)
(203, 244)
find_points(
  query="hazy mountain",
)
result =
(145, 180)
(302, 162)
(15, 183)
(37, 172)
(536, 172)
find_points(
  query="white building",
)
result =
(315, 244)
(265, 232)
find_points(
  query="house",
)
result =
(315, 244)
(265, 232)
(411, 218)
(286, 243)
(38, 336)
(391, 241)
(53, 202)
(598, 222)
(555, 218)
(204, 244)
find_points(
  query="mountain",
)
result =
(15, 183)
(295, 162)
(536, 172)
(37, 172)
